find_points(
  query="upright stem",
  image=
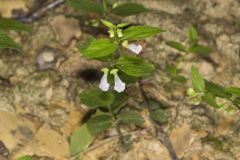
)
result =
(117, 127)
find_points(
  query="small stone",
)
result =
(48, 57)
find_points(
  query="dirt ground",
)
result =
(39, 88)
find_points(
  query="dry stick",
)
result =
(162, 136)
(39, 12)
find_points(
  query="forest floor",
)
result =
(39, 94)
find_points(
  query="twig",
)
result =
(39, 12)
(162, 136)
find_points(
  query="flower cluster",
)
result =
(119, 85)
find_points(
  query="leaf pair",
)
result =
(211, 90)
(173, 72)
(194, 47)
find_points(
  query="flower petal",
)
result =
(119, 86)
(136, 48)
(104, 85)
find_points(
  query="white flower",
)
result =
(104, 85)
(111, 33)
(119, 85)
(119, 33)
(135, 48)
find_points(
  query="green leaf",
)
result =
(200, 49)
(236, 102)
(8, 24)
(82, 47)
(171, 69)
(128, 9)
(153, 105)
(99, 123)
(27, 157)
(140, 32)
(107, 23)
(121, 25)
(86, 5)
(126, 78)
(216, 90)
(180, 79)
(120, 99)
(134, 66)
(129, 117)
(80, 140)
(176, 45)
(94, 98)
(192, 35)
(100, 48)
(210, 99)
(7, 42)
(233, 90)
(159, 116)
(197, 80)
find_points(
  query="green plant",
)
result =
(25, 158)
(124, 65)
(11, 25)
(204, 90)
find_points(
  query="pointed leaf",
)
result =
(210, 99)
(80, 140)
(94, 98)
(99, 123)
(107, 23)
(130, 118)
(233, 90)
(192, 35)
(128, 9)
(176, 45)
(159, 116)
(7, 42)
(140, 32)
(236, 102)
(134, 66)
(200, 49)
(217, 90)
(197, 80)
(100, 48)
(121, 25)
(171, 69)
(8, 24)
(120, 99)
(86, 5)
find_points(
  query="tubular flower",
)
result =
(135, 48)
(119, 85)
(119, 33)
(111, 33)
(104, 85)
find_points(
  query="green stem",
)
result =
(117, 127)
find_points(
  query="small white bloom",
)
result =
(104, 85)
(111, 33)
(135, 48)
(119, 85)
(119, 33)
